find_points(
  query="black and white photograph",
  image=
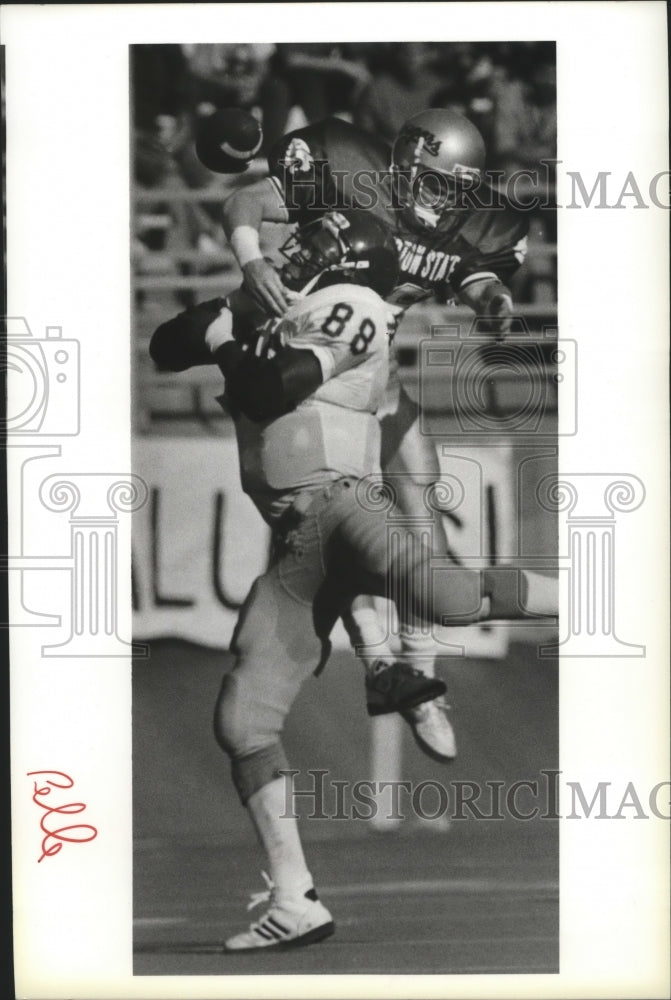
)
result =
(355, 246)
(338, 499)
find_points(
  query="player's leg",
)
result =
(410, 461)
(368, 630)
(411, 458)
(434, 588)
(276, 649)
(404, 453)
(454, 595)
(367, 634)
(391, 684)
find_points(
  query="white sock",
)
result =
(418, 647)
(366, 633)
(279, 837)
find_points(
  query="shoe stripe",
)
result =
(277, 924)
(263, 932)
(271, 930)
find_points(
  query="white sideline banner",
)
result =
(198, 542)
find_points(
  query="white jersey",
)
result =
(333, 433)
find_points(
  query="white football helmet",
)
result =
(437, 155)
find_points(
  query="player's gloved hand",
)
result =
(498, 315)
(263, 283)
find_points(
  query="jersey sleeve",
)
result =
(499, 247)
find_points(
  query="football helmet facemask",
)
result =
(437, 156)
(341, 247)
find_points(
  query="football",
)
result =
(228, 140)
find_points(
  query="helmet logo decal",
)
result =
(340, 220)
(429, 141)
(335, 222)
(298, 156)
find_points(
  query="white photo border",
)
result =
(68, 265)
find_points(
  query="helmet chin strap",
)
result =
(311, 283)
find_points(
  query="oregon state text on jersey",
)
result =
(334, 165)
(333, 433)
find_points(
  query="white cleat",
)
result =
(433, 730)
(287, 923)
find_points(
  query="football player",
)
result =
(457, 239)
(303, 391)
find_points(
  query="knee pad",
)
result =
(252, 772)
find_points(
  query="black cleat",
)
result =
(398, 687)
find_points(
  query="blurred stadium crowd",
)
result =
(507, 89)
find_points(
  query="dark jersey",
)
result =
(334, 165)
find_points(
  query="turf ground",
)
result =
(445, 895)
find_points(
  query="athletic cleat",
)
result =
(399, 687)
(287, 923)
(433, 730)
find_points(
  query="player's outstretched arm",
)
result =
(243, 213)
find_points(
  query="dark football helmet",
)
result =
(436, 157)
(349, 246)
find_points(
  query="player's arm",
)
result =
(481, 280)
(488, 297)
(261, 388)
(335, 337)
(243, 213)
(264, 388)
(179, 343)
